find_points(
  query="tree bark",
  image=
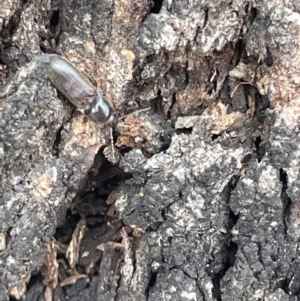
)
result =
(203, 204)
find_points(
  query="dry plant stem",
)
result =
(112, 143)
(244, 83)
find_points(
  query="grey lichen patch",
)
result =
(23, 44)
(178, 285)
(286, 59)
(177, 70)
(121, 203)
(185, 197)
(260, 204)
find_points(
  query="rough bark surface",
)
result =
(207, 188)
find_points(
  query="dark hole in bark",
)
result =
(34, 290)
(163, 214)
(216, 279)
(254, 13)
(286, 201)
(152, 282)
(55, 18)
(156, 103)
(55, 147)
(166, 143)
(283, 179)
(54, 28)
(172, 105)
(206, 10)
(216, 291)
(259, 150)
(151, 58)
(8, 236)
(247, 160)
(157, 6)
(263, 101)
(126, 150)
(215, 136)
(233, 218)
(232, 250)
(64, 233)
(36, 277)
(269, 58)
(185, 131)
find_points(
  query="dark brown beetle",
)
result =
(77, 88)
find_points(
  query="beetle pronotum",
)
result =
(77, 88)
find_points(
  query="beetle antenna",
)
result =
(137, 111)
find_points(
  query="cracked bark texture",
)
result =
(212, 198)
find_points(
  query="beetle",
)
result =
(77, 88)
